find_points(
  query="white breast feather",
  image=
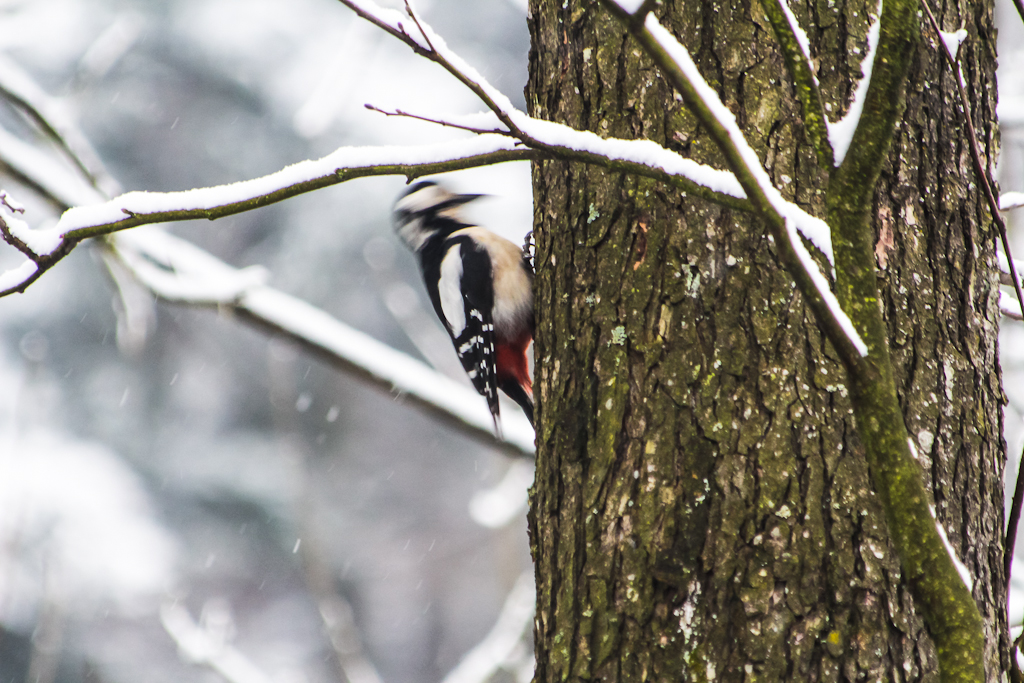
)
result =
(449, 290)
(512, 290)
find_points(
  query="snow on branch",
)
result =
(814, 229)
(640, 157)
(796, 49)
(961, 568)
(840, 133)
(643, 157)
(1004, 267)
(799, 34)
(1009, 305)
(748, 179)
(19, 88)
(953, 40)
(522, 138)
(46, 247)
(137, 208)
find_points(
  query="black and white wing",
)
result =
(465, 298)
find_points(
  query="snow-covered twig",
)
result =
(1011, 200)
(19, 88)
(46, 247)
(1005, 274)
(524, 139)
(638, 157)
(1009, 306)
(643, 157)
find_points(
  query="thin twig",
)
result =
(428, 50)
(124, 217)
(1014, 521)
(440, 122)
(984, 177)
(18, 88)
(416, 20)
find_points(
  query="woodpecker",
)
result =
(481, 287)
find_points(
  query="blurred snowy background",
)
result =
(184, 498)
(177, 472)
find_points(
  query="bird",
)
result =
(481, 287)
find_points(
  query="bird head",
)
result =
(426, 209)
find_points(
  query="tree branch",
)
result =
(141, 208)
(638, 157)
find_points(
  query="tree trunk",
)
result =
(702, 507)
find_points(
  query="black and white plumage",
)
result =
(481, 288)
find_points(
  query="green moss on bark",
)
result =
(716, 520)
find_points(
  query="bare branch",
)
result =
(440, 122)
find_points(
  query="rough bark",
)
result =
(702, 508)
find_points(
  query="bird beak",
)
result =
(460, 199)
(455, 201)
